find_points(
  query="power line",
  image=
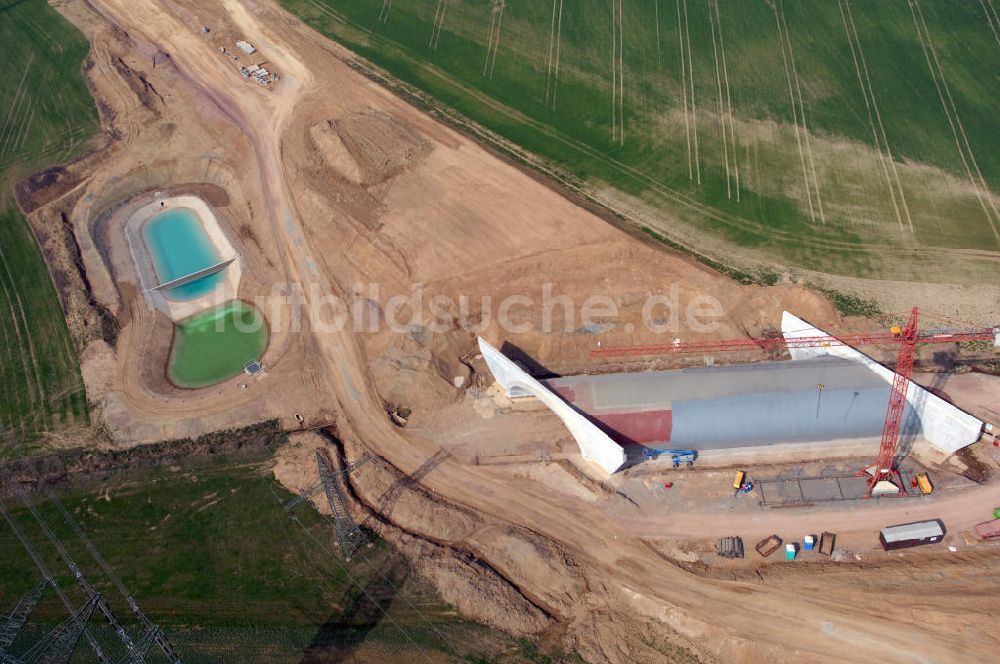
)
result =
(159, 637)
(88, 589)
(15, 620)
(33, 554)
(362, 589)
(327, 483)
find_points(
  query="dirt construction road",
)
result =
(731, 621)
(963, 508)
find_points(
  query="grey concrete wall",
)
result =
(947, 427)
(781, 417)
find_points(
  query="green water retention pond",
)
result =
(213, 346)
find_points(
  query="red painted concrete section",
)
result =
(651, 426)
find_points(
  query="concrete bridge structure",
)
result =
(822, 397)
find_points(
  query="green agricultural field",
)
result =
(210, 554)
(841, 136)
(46, 116)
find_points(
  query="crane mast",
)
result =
(884, 469)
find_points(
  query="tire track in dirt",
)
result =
(954, 121)
(661, 189)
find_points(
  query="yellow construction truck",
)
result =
(924, 484)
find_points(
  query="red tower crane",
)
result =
(884, 469)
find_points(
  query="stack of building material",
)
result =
(729, 547)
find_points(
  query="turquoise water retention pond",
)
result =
(179, 246)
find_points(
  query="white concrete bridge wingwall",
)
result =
(945, 426)
(595, 445)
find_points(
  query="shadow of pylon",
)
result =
(365, 606)
(388, 500)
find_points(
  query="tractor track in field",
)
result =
(954, 120)
(672, 195)
(438, 24)
(684, 89)
(17, 126)
(10, 119)
(27, 128)
(806, 159)
(383, 14)
(19, 91)
(617, 74)
(722, 108)
(8, 390)
(489, 40)
(493, 40)
(802, 114)
(729, 99)
(328, 11)
(694, 103)
(892, 182)
(496, 47)
(992, 18)
(795, 113)
(555, 72)
(551, 47)
(24, 342)
(656, 24)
